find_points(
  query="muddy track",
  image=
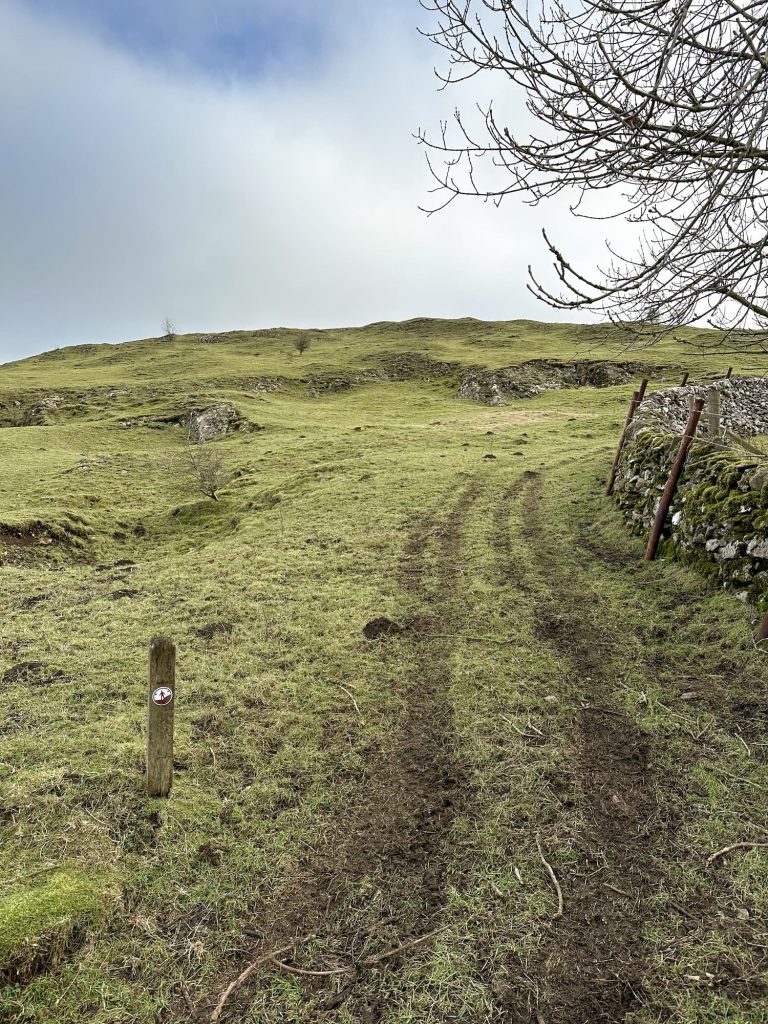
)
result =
(594, 958)
(379, 879)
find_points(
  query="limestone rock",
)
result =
(758, 548)
(214, 422)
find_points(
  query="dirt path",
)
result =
(379, 879)
(591, 966)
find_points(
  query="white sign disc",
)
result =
(162, 695)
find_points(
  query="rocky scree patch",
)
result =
(531, 378)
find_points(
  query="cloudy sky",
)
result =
(237, 164)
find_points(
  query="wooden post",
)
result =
(762, 633)
(730, 371)
(673, 479)
(161, 703)
(713, 412)
(684, 381)
(637, 397)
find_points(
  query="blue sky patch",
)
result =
(224, 38)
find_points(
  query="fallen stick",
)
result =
(464, 636)
(615, 888)
(290, 969)
(681, 909)
(273, 958)
(555, 882)
(735, 846)
(242, 978)
(525, 735)
(406, 945)
(352, 698)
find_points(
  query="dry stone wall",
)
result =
(719, 517)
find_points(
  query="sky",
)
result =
(237, 164)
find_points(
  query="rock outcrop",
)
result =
(214, 422)
(531, 378)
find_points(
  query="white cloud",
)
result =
(128, 194)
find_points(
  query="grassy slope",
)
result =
(370, 793)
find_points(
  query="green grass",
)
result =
(340, 512)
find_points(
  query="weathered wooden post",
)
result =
(713, 412)
(730, 371)
(762, 633)
(637, 397)
(672, 480)
(684, 381)
(160, 708)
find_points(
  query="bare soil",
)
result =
(592, 966)
(394, 838)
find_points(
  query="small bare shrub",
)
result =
(206, 468)
(169, 330)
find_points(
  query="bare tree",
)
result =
(206, 468)
(169, 330)
(666, 101)
(301, 344)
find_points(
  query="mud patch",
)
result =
(380, 877)
(595, 957)
(34, 673)
(213, 629)
(25, 536)
(381, 628)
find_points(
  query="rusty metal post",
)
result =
(673, 479)
(684, 381)
(637, 397)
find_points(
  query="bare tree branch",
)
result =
(662, 100)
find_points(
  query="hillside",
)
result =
(383, 822)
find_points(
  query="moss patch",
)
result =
(40, 924)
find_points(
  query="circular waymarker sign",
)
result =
(162, 695)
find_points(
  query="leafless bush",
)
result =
(206, 468)
(169, 330)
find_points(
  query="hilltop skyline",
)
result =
(236, 165)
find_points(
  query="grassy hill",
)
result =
(389, 814)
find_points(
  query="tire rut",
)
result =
(594, 959)
(379, 880)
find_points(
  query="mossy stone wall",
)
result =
(719, 516)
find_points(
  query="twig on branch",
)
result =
(662, 105)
